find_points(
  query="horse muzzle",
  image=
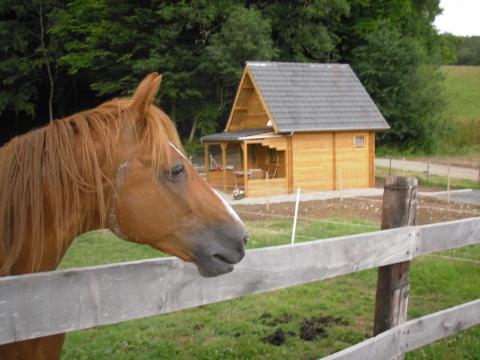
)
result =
(220, 250)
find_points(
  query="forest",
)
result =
(62, 56)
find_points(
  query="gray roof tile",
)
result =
(316, 97)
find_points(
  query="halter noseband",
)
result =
(113, 218)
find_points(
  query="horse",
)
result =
(118, 166)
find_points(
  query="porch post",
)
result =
(206, 160)
(224, 165)
(245, 167)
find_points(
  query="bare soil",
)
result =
(429, 210)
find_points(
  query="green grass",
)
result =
(462, 90)
(462, 84)
(433, 181)
(235, 329)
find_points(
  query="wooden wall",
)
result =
(248, 112)
(215, 179)
(352, 163)
(312, 161)
(263, 187)
(321, 159)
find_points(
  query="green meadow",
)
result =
(462, 86)
(337, 312)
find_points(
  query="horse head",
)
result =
(160, 200)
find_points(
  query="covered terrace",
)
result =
(255, 160)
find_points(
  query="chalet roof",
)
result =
(315, 97)
(235, 135)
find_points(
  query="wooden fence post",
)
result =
(399, 209)
(448, 184)
(428, 171)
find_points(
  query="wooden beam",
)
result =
(334, 161)
(206, 160)
(371, 158)
(224, 165)
(289, 164)
(42, 304)
(245, 167)
(399, 209)
(413, 334)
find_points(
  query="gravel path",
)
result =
(467, 196)
(304, 196)
(435, 169)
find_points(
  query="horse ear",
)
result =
(144, 95)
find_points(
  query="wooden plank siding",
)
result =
(215, 179)
(248, 111)
(352, 163)
(312, 161)
(258, 187)
(320, 159)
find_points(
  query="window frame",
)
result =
(364, 141)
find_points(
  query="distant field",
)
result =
(463, 92)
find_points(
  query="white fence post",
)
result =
(294, 229)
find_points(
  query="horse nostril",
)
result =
(245, 239)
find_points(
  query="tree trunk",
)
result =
(192, 132)
(43, 49)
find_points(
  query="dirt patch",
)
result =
(198, 327)
(309, 331)
(314, 327)
(429, 211)
(277, 338)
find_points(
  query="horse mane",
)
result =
(53, 178)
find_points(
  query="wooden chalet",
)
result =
(296, 125)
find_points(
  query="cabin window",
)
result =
(359, 141)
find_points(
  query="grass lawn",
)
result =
(462, 84)
(339, 311)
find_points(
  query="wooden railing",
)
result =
(53, 302)
(48, 303)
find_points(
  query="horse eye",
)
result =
(176, 173)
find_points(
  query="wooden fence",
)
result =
(53, 302)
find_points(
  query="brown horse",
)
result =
(117, 166)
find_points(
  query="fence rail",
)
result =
(42, 304)
(413, 334)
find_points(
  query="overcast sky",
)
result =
(459, 17)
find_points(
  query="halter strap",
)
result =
(113, 218)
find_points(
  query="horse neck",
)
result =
(57, 239)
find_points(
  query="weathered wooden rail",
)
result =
(48, 303)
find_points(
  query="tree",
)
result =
(245, 35)
(27, 50)
(448, 44)
(468, 50)
(306, 30)
(406, 87)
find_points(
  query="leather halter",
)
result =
(113, 218)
